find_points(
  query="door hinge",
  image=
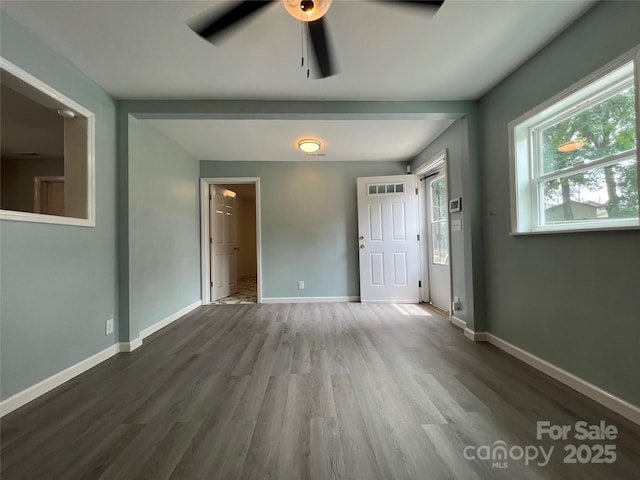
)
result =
(211, 284)
(418, 237)
(210, 240)
(419, 283)
(209, 196)
(416, 190)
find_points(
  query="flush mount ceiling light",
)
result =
(571, 145)
(66, 113)
(309, 145)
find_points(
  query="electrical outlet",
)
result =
(108, 327)
(456, 303)
(301, 285)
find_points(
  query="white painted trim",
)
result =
(389, 302)
(38, 182)
(475, 336)
(612, 402)
(458, 322)
(127, 347)
(205, 267)
(168, 320)
(523, 218)
(205, 254)
(616, 404)
(441, 156)
(310, 299)
(65, 101)
(438, 161)
(31, 393)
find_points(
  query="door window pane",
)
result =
(439, 199)
(439, 222)
(440, 236)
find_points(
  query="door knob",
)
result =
(362, 245)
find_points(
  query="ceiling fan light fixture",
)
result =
(307, 10)
(309, 145)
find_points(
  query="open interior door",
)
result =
(388, 239)
(224, 244)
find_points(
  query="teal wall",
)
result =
(309, 222)
(58, 282)
(164, 227)
(571, 299)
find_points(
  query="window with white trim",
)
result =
(574, 159)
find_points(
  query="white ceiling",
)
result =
(28, 129)
(276, 140)
(145, 50)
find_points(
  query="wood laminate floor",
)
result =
(307, 391)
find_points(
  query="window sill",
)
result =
(48, 219)
(578, 229)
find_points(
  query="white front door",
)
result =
(388, 239)
(224, 245)
(438, 241)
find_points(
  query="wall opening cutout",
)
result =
(47, 153)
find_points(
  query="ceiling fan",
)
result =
(310, 12)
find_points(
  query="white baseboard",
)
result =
(127, 347)
(459, 322)
(137, 342)
(417, 302)
(48, 384)
(617, 404)
(25, 396)
(612, 402)
(166, 321)
(475, 336)
(309, 299)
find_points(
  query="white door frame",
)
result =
(423, 249)
(205, 265)
(39, 182)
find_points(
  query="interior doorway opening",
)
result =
(230, 233)
(246, 258)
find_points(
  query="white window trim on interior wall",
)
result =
(205, 266)
(91, 180)
(521, 207)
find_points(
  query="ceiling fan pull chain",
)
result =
(301, 40)
(307, 53)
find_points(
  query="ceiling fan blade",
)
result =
(321, 49)
(217, 24)
(430, 5)
(422, 3)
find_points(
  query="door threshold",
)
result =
(435, 309)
